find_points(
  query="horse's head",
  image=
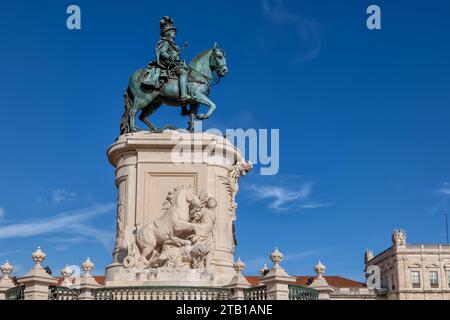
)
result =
(191, 197)
(218, 61)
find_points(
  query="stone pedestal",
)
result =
(277, 282)
(5, 281)
(239, 283)
(148, 167)
(36, 283)
(87, 283)
(5, 284)
(320, 283)
(322, 286)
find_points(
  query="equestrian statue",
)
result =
(170, 81)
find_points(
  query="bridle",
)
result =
(208, 79)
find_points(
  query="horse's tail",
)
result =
(128, 104)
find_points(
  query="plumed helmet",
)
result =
(166, 24)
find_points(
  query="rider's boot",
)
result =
(184, 97)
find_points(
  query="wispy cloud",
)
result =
(64, 243)
(2, 254)
(72, 222)
(444, 189)
(293, 197)
(443, 194)
(2, 213)
(301, 255)
(306, 28)
(59, 196)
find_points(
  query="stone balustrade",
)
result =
(37, 284)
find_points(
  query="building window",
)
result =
(415, 279)
(448, 278)
(434, 281)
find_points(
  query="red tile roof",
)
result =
(334, 281)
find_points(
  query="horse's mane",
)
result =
(168, 202)
(199, 56)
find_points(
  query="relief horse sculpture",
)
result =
(139, 97)
(172, 225)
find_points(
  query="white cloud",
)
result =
(8, 253)
(306, 28)
(72, 222)
(444, 189)
(64, 243)
(301, 255)
(284, 198)
(60, 196)
(2, 213)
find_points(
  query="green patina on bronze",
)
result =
(170, 81)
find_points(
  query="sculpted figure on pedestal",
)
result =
(203, 249)
(181, 237)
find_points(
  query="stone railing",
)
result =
(256, 293)
(63, 293)
(297, 292)
(161, 293)
(355, 293)
(37, 284)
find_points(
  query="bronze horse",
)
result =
(146, 100)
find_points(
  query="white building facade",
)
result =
(410, 271)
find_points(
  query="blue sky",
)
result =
(363, 118)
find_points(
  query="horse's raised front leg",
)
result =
(182, 227)
(201, 98)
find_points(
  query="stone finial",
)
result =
(239, 266)
(263, 270)
(320, 283)
(276, 257)
(399, 237)
(319, 269)
(7, 269)
(88, 266)
(38, 256)
(67, 272)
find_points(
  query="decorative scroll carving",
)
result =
(231, 183)
(120, 232)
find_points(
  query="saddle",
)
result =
(155, 77)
